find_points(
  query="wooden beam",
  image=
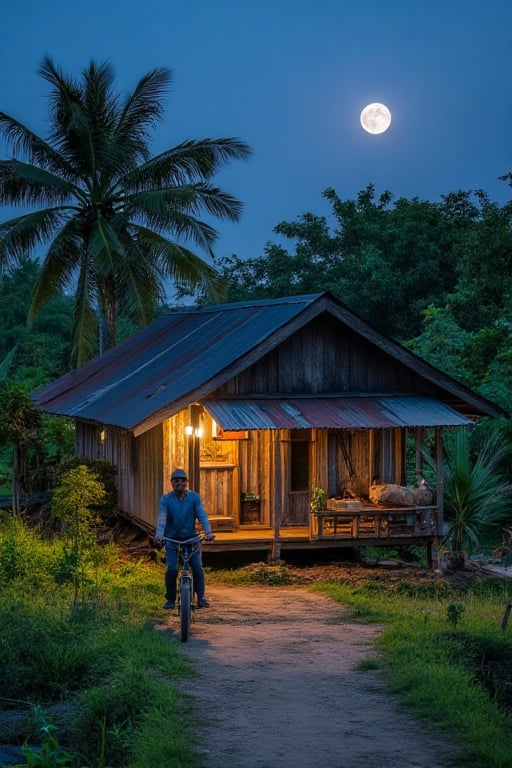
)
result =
(276, 545)
(419, 453)
(440, 480)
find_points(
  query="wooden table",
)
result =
(373, 522)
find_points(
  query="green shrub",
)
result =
(105, 472)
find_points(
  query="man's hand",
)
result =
(209, 537)
(159, 543)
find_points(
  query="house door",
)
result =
(296, 506)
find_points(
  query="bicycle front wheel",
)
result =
(185, 608)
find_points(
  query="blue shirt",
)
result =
(177, 517)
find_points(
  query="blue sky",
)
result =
(290, 77)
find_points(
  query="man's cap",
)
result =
(179, 473)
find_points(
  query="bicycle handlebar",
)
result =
(193, 540)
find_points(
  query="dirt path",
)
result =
(276, 687)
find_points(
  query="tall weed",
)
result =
(99, 661)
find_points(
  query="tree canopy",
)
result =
(434, 276)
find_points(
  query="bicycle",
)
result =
(185, 591)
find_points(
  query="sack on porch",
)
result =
(393, 495)
(400, 495)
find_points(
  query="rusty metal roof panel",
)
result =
(333, 413)
(174, 356)
(185, 355)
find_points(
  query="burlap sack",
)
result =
(393, 495)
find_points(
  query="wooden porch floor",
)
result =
(335, 529)
(298, 537)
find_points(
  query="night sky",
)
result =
(290, 78)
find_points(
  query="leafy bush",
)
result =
(106, 474)
(101, 666)
(476, 498)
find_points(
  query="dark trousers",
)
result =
(171, 558)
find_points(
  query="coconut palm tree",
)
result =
(114, 220)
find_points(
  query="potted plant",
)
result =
(317, 498)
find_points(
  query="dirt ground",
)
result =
(276, 682)
(277, 685)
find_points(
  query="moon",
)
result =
(376, 118)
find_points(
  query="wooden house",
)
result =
(262, 401)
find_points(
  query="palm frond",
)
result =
(188, 162)
(185, 227)
(74, 119)
(140, 285)
(29, 145)
(188, 271)
(85, 320)
(58, 267)
(27, 184)
(143, 107)
(218, 203)
(19, 236)
(104, 247)
(66, 92)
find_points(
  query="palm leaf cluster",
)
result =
(114, 220)
(475, 495)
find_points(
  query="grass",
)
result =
(445, 656)
(98, 668)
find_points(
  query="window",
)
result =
(299, 469)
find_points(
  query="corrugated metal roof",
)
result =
(187, 354)
(167, 361)
(333, 413)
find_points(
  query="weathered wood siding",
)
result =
(148, 483)
(219, 489)
(256, 473)
(335, 458)
(323, 357)
(139, 466)
(175, 448)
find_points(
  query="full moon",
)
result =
(376, 118)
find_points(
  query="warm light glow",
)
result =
(376, 118)
(103, 435)
(191, 432)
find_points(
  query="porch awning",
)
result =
(333, 413)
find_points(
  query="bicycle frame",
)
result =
(185, 592)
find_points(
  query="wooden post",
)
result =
(440, 480)
(419, 454)
(371, 448)
(276, 544)
(194, 447)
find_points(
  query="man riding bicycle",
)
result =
(177, 515)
